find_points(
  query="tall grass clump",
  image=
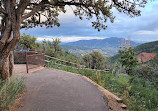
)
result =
(9, 92)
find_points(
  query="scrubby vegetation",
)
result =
(9, 92)
(151, 47)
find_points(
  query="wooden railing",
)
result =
(78, 65)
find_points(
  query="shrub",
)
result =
(146, 72)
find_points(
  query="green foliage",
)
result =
(47, 46)
(52, 48)
(128, 59)
(88, 60)
(147, 72)
(143, 94)
(95, 60)
(28, 42)
(9, 92)
(150, 47)
(56, 46)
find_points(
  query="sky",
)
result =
(141, 29)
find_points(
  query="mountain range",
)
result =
(108, 46)
(112, 42)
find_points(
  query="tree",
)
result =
(88, 60)
(28, 42)
(128, 59)
(98, 60)
(52, 48)
(57, 47)
(47, 46)
(17, 14)
(95, 60)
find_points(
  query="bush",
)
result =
(146, 72)
(9, 91)
(143, 94)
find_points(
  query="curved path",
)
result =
(52, 90)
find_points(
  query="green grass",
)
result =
(9, 92)
(137, 93)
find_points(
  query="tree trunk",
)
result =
(6, 66)
(11, 63)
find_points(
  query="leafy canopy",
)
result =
(28, 42)
(95, 60)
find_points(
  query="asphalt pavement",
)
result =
(52, 90)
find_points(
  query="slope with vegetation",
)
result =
(150, 47)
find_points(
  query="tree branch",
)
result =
(2, 10)
(37, 8)
(45, 2)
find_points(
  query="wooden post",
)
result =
(26, 62)
(78, 64)
(44, 63)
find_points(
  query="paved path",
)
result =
(52, 90)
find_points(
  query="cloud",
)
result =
(67, 39)
(147, 32)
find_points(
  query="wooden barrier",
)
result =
(78, 65)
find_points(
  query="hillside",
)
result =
(150, 47)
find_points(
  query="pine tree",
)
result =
(128, 59)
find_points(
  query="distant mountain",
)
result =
(108, 46)
(112, 42)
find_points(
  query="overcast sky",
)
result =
(142, 29)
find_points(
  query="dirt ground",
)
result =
(20, 69)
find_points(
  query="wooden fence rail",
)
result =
(78, 65)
